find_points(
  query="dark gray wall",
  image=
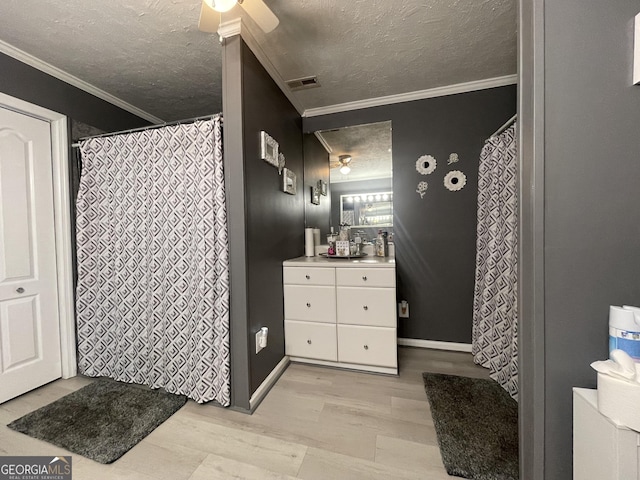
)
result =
(435, 236)
(345, 188)
(31, 85)
(591, 196)
(274, 220)
(316, 167)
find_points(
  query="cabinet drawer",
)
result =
(367, 306)
(314, 304)
(367, 345)
(309, 276)
(310, 340)
(366, 277)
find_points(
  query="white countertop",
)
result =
(368, 261)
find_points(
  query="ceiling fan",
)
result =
(342, 162)
(256, 9)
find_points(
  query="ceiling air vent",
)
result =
(303, 83)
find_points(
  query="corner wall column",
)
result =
(235, 190)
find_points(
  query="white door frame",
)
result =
(62, 227)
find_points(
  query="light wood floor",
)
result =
(316, 423)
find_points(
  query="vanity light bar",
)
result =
(369, 197)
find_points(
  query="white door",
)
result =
(29, 323)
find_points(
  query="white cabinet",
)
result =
(311, 340)
(313, 304)
(341, 313)
(367, 345)
(602, 449)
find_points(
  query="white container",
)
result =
(619, 401)
(309, 250)
(624, 330)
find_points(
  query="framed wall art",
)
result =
(288, 181)
(315, 195)
(322, 187)
(268, 149)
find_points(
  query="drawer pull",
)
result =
(308, 277)
(20, 290)
(366, 347)
(309, 342)
(365, 307)
(364, 277)
(308, 305)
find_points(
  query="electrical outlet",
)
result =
(403, 309)
(261, 338)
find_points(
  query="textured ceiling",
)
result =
(146, 52)
(369, 147)
(362, 49)
(150, 53)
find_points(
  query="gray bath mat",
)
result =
(101, 421)
(476, 422)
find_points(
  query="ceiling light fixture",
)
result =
(221, 5)
(344, 161)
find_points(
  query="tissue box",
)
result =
(619, 400)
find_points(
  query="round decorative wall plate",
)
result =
(455, 180)
(426, 164)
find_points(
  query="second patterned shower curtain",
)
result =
(495, 303)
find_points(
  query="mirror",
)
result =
(361, 170)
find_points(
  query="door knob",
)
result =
(365, 307)
(20, 290)
(308, 305)
(309, 342)
(366, 347)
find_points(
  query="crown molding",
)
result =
(230, 28)
(324, 142)
(49, 69)
(238, 27)
(410, 96)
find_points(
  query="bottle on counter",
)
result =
(382, 244)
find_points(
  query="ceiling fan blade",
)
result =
(209, 19)
(261, 14)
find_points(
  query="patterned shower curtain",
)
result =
(153, 261)
(495, 303)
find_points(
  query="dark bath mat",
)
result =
(476, 422)
(101, 421)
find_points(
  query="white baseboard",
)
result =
(454, 347)
(347, 366)
(268, 382)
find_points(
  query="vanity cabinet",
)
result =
(341, 313)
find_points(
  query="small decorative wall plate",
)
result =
(426, 164)
(453, 158)
(455, 180)
(281, 162)
(268, 149)
(422, 189)
(288, 181)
